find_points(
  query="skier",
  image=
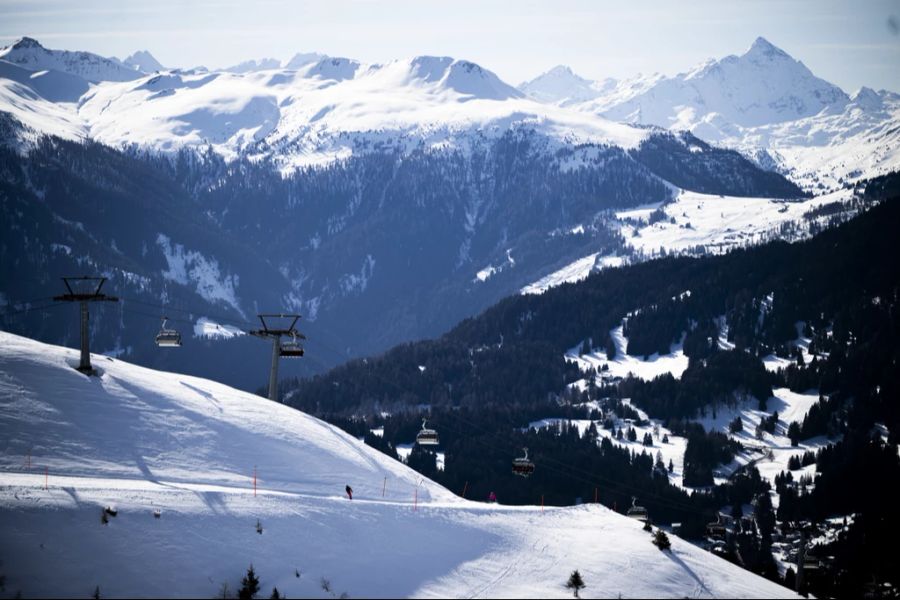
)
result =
(492, 497)
(349, 491)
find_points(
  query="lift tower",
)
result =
(288, 349)
(86, 289)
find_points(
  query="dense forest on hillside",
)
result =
(483, 382)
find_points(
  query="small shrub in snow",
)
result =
(575, 582)
(661, 540)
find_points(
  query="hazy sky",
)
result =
(848, 43)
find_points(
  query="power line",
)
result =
(30, 309)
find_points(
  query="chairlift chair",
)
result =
(292, 348)
(427, 437)
(522, 466)
(168, 338)
(637, 512)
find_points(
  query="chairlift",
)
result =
(168, 338)
(637, 512)
(292, 348)
(522, 466)
(427, 437)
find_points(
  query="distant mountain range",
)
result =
(764, 103)
(313, 109)
(384, 202)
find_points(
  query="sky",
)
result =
(847, 43)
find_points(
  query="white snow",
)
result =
(717, 223)
(574, 272)
(623, 364)
(191, 268)
(207, 328)
(310, 111)
(315, 109)
(142, 440)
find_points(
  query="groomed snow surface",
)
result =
(140, 440)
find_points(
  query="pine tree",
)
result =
(275, 594)
(794, 433)
(575, 582)
(661, 540)
(610, 348)
(671, 466)
(249, 585)
(96, 594)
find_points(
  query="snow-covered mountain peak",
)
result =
(30, 54)
(765, 85)
(248, 66)
(470, 79)
(867, 99)
(761, 48)
(143, 61)
(333, 68)
(301, 59)
(25, 43)
(561, 84)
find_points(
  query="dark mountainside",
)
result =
(374, 250)
(493, 374)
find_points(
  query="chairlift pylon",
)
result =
(427, 437)
(522, 466)
(168, 338)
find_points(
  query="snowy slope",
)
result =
(139, 440)
(311, 109)
(695, 223)
(329, 109)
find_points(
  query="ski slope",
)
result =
(139, 440)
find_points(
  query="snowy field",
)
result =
(140, 440)
(720, 223)
(693, 220)
(623, 364)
